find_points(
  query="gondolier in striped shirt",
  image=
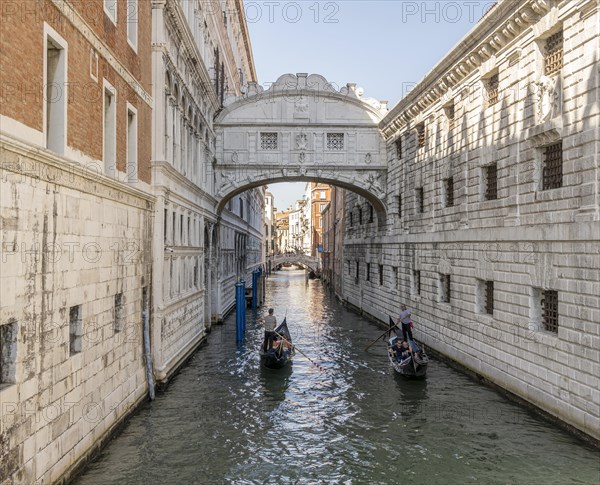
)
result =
(270, 322)
(406, 321)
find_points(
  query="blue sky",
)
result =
(383, 46)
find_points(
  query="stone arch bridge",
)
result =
(300, 259)
(302, 128)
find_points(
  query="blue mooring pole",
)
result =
(243, 282)
(240, 310)
(254, 290)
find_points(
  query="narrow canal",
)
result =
(224, 419)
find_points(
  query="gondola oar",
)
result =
(384, 333)
(296, 347)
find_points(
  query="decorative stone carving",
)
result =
(234, 157)
(549, 94)
(368, 158)
(301, 141)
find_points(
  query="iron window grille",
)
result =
(417, 281)
(492, 89)
(550, 310)
(421, 135)
(420, 200)
(268, 141)
(552, 169)
(449, 187)
(335, 141)
(491, 177)
(553, 53)
(445, 280)
(399, 148)
(489, 297)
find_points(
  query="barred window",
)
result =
(550, 310)
(552, 166)
(445, 288)
(381, 275)
(449, 190)
(399, 148)
(370, 213)
(335, 141)
(450, 115)
(492, 89)
(489, 297)
(399, 197)
(351, 219)
(491, 181)
(360, 216)
(553, 53)
(357, 270)
(268, 141)
(421, 135)
(368, 271)
(420, 200)
(75, 329)
(417, 282)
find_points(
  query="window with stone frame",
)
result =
(553, 53)
(357, 272)
(351, 219)
(492, 84)
(118, 312)
(335, 141)
(491, 181)
(550, 310)
(399, 201)
(445, 294)
(370, 213)
(420, 200)
(368, 272)
(398, 144)
(8, 352)
(268, 141)
(360, 219)
(552, 166)
(381, 275)
(416, 282)
(75, 329)
(449, 192)
(421, 135)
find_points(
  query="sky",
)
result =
(383, 46)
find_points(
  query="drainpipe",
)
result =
(149, 371)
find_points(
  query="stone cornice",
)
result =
(67, 10)
(506, 22)
(61, 171)
(183, 181)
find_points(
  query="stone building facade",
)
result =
(201, 55)
(77, 211)
(493, 229)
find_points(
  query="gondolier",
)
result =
(406, 322)
(269, 322)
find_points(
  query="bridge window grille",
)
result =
(399, 148)
(552, 166)
(491, 182)
(381, 275)
(421, 135)
(493, 84)
(550, 310)
(489, 297)
(449, 189)
(368, 271)
(268, 141)
(335, 141)
(553, 53)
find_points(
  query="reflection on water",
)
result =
(224, 419)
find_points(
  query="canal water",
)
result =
(224, 419)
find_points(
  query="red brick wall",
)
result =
(21, 73)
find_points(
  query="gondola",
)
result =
(413, 366)
(276, 358)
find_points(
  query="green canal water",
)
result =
(224, 419)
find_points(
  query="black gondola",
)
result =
(276, 358)
(413, 366)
